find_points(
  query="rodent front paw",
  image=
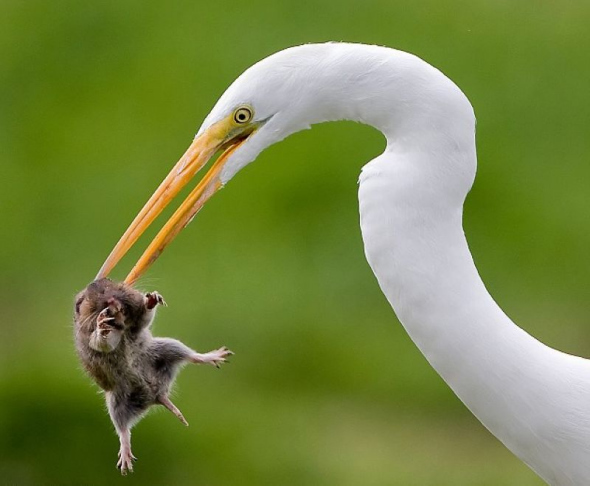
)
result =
(152, 299)
(103, 319)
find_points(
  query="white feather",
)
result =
(535, 399)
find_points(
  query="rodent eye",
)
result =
(243, 115)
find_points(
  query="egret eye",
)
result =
(243, 115)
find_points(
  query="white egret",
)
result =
(533, 398)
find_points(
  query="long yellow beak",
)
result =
(197, 155)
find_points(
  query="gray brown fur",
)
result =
(112, 323)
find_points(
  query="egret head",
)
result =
(267, 103)
(257, 110)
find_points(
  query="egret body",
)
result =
(533, 398)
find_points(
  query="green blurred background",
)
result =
(99, 99)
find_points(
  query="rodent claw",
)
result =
(103, 317)
(152, 299)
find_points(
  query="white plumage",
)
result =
(535, 399)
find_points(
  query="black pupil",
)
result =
(241, 116)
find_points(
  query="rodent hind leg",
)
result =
(126, 457)
(123, 420)
(164, 400)
(214, 358)
(170, 353)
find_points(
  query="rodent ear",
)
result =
(79, 303)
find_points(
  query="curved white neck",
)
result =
(415, 244)
(533, 398)
(417, 249)
(411, 206)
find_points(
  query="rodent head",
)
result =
(102, 293)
